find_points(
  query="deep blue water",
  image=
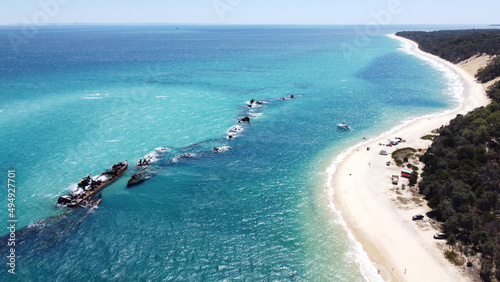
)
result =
(76, 100)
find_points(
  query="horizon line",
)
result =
(246, 24)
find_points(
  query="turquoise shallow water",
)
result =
(76, 100)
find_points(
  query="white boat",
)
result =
(343, 126)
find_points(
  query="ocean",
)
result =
(75, 100)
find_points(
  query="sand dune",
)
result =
(472, 65)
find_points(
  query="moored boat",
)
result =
(343, 126)
(89, 187)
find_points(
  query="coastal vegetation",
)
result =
(402, 156)
(428, 137)
(453, 257)
(460, 45)
(489, 72)
(461, 178)
(405, 157)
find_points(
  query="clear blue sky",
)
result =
(251, 11)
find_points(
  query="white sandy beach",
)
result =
(379, 214)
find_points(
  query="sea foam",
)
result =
(456, 89)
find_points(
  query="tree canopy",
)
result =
(461, 178)
(459, 45)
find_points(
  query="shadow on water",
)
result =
(42, 236)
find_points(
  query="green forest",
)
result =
(461, 178)
(459, 45)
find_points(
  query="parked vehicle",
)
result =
(417, 217)
(395, 179)
(440, 235)
(406, 173)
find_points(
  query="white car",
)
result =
(440, 235)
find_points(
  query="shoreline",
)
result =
(377, 213)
